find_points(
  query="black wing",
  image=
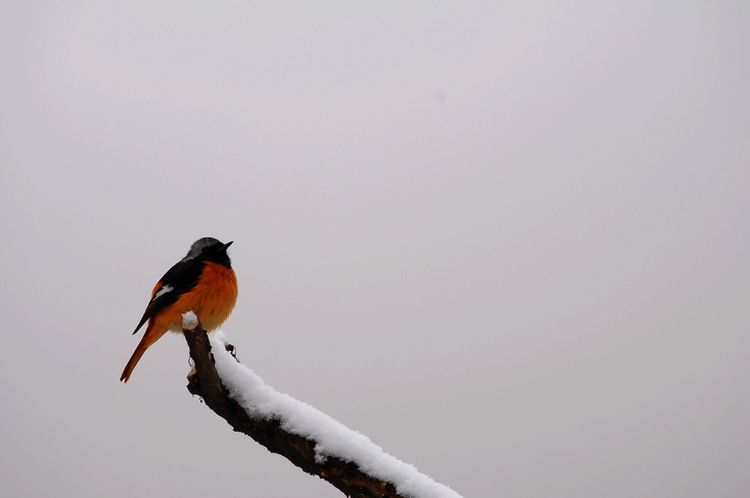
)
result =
(178, 280)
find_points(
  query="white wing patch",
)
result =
(162, 291)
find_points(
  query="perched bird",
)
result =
(202, 282)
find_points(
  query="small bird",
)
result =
(202, 282)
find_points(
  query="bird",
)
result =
(202, 282)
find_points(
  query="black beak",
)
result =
(227, 245)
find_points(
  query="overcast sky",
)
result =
(507, 241)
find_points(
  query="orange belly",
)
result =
(212, 300)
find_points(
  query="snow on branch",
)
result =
(308, 438)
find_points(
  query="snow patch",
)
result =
(333, 438)
(189, 320)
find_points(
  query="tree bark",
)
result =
(204, 381)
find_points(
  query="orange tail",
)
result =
(150, 337)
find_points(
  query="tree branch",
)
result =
(205, 382)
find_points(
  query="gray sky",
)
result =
(506, 241)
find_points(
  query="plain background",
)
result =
(508, 241)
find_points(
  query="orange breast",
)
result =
(212, 300)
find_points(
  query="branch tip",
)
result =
(189, 321)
